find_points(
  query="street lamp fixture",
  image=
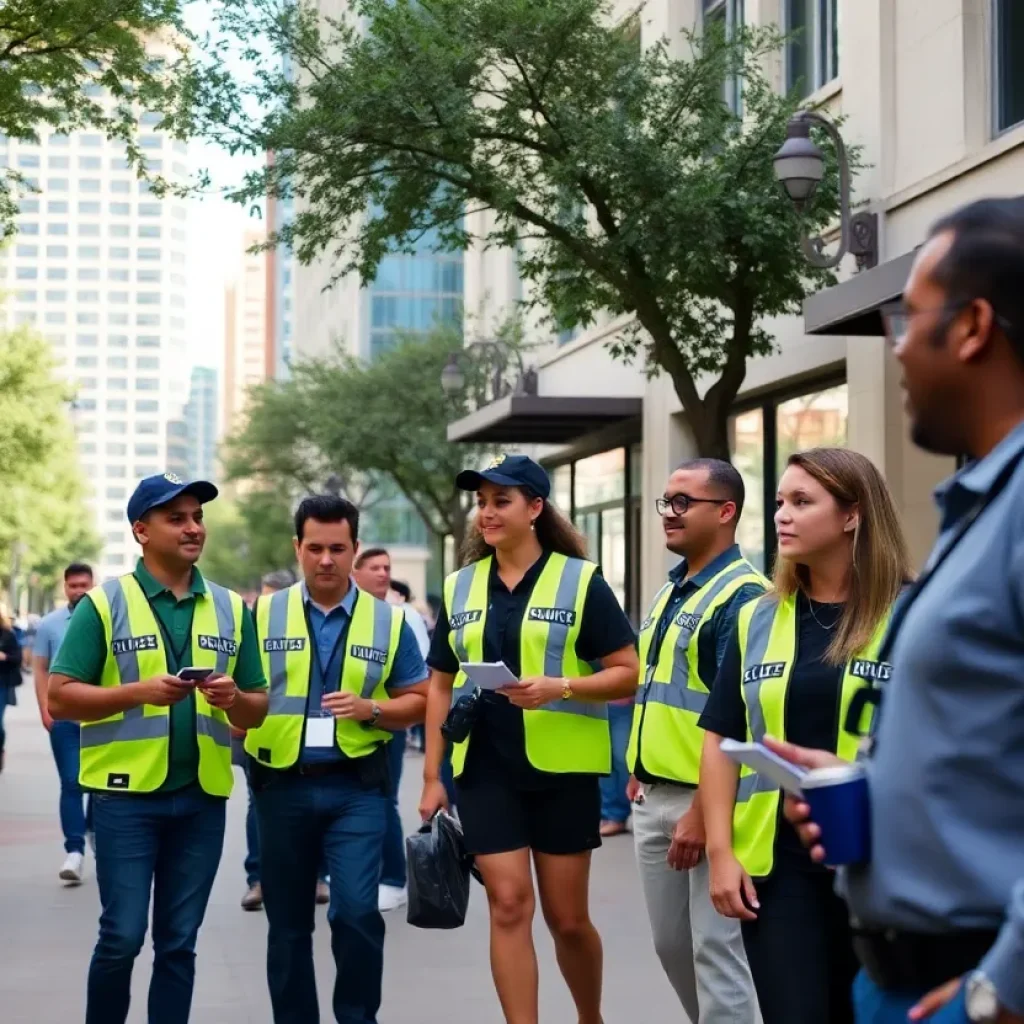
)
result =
(800, 167)
(498, 358)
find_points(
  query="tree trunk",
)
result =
(709, 424)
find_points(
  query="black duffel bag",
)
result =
(438, 867)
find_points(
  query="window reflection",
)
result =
(746, 442)
(601, 478)
(814, 420)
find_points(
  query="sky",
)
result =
(216, 230)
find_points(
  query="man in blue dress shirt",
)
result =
(939, 910)
(311, 797)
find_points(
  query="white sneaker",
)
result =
(391, 897)
(72, 872)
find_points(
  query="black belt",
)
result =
(318, 769)
(904, 961)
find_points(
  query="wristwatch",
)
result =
(374, 715)
(567, 693)
(982, 999)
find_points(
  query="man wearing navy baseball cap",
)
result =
(157, 666)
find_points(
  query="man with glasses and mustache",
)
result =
(682, 641)
(938, 911)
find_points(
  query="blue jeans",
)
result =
(614, 805)
(252, 838)
(300, 817)
(74, 804)
(170, 843)
(393, 859)
(873, 1006)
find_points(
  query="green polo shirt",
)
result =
(83, 654)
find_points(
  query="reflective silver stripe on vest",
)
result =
(678, 694)
(758, 636)
(134, 724)
(463, 587)
(279, 702)
(225, 620)
(558, 636)
(217, 731)
(381, 642)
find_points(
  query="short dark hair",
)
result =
(77, 569)
(327, 508)
(724, 477)
(986, 261)
(367, 553)
(400, 587)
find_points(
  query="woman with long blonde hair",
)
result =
(799, 655)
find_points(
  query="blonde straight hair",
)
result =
(881, 563)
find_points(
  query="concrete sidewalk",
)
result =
(47, 932)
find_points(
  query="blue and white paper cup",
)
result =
(838, 798)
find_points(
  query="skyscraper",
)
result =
(98, 268)
(201, 425)
(280, 290)
(247, 343)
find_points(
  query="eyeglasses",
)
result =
(680, 503)
(896, 318)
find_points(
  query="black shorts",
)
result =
(499, 816)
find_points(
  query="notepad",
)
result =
(489, 675)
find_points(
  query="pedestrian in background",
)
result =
(682, 643)
(156, 747)
(527, 776)
(75, 806)
(938, 910)
(10, 672)
(792, 667)
(345, 675)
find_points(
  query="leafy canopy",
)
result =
(386, 418)
(628, 185)
(67, 65)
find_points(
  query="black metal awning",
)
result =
(542, 419)
(853, 307)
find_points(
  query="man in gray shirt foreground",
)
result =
(939, 910)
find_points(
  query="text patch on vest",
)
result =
(220, 644)
(559, 616)
(460, 619)
(688, 620)
(768, 670)
(876, 671)
(369, 654)
(284, 643)
(135, 643)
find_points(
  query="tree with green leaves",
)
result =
(68, 65)
(249, 536)
(44, 521)
(387, 418)
(624, 180)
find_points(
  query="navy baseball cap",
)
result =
(507, 471)
(155, 491)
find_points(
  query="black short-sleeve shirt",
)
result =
(498, 742)
(812, 701)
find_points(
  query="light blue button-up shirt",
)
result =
(947, 770)
(327, 630)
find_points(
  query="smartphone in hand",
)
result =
(195, 675)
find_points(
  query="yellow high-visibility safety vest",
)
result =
(128, 752)
(665, 733)
(767, 635)
(285, 647)
(564, 735)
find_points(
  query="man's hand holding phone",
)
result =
(163, 691)
(219, 690)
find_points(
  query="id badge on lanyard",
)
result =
(320, 726)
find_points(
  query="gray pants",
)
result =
(700, 951)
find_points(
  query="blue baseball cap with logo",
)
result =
(155, 491)
(507, 471)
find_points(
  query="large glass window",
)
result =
(762, 439)
(726, 16)
(1009, 46)
(812, 50)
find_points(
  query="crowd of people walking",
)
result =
(152, 684)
